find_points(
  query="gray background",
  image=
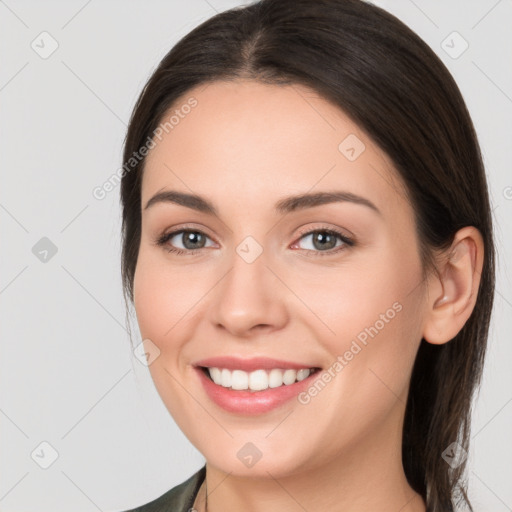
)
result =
(68, 377)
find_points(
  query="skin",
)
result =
(243, 147)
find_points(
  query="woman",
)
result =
(307, 242)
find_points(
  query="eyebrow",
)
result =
(285, 205)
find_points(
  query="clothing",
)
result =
(178, 499)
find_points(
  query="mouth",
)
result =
(251, 387)
(257, 380)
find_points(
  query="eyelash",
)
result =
(348, 242)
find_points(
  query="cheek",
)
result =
(391, 329)
(163, 296)
(355, 298)
(162, 305)
(374, 313)
(377, 336)
(148, 297)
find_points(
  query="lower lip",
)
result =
(252, 402)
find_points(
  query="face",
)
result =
(269, 286)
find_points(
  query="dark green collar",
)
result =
(179, 498)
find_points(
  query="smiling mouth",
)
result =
(257, 380)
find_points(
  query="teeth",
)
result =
(239, 379)
(225, 378)
(302, 374)
(275, 378)
(257, 380)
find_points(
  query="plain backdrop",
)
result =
(82, 426)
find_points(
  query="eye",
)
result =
(191, 240)
(323, 241)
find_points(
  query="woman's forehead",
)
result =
(259, 138)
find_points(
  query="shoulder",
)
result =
(178, 499)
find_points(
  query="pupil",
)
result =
(324, 238)
(192, 237)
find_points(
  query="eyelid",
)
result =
(324, 227)
(185, 227)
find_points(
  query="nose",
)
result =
(250, 299)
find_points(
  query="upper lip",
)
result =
(249, 365)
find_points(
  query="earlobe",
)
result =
(456, 287)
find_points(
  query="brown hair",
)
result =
(387, 79)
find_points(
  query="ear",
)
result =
(452, 295)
